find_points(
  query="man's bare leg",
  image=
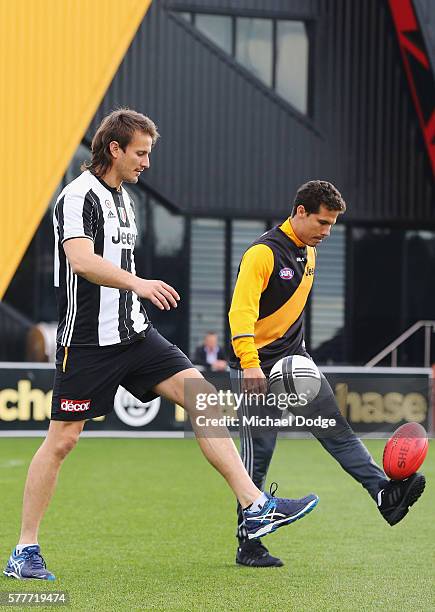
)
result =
(42, 476)
(220, 451)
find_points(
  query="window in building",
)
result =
(292, 63)
(254, 47)
(275, 51)
(140, 211)
(418, 257)
(218, 28)
(328, 295)
(186, 16)
(168, 231)
(167, 260)
(207, 280)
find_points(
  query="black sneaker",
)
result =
(254, 554)
(398, 495)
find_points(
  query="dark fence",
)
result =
(14, 328)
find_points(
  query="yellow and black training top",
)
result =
(267, 311)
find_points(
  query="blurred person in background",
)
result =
(209, 354)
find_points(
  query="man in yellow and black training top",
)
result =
(274, 281)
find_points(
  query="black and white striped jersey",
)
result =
(89, 314)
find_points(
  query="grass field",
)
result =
(146, 524)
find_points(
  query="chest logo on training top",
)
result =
(124, 237)
(286, 273)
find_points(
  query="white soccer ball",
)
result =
(295, 375)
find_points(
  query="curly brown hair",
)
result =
(120, 125)
(314, 193)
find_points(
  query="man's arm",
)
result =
(95, 269)
(255, 270)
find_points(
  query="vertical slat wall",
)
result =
(327, 309)
(207, 280)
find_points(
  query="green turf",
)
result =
(147, 524)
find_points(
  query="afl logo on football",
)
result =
(286, 273)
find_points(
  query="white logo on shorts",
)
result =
(75, 405)
(132, 412)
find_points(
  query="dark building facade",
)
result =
(253, 98)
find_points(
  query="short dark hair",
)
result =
(314, 193)
(120, 125)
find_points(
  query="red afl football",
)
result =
(405, 451)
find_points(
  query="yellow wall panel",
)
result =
(57, 60)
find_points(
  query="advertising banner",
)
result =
(375, 401)
(382, 399)
(25, 404)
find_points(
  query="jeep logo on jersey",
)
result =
(75, 405)
(132, 412)
(122, 214)
(286, 273)
(124, 237)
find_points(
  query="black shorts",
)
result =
(87, 377)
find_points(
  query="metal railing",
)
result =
(392, 348)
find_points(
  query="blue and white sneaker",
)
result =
(28, 565)
(277, 512)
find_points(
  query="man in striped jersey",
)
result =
(267, 323)
(105, 338)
